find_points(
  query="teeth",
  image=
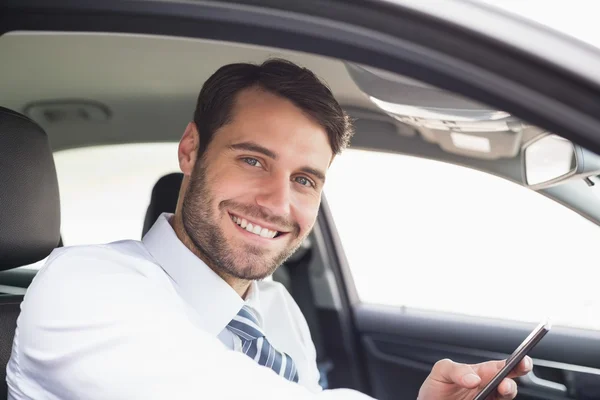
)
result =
(257, 230)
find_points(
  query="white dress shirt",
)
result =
(147, 320)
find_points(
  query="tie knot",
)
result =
(245, 324)
(249, 314)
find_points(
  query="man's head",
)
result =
(255, 159)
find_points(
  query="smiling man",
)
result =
(251, 193)
(185, 313)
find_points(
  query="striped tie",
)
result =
(256, 346)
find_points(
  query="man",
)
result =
(185, 313)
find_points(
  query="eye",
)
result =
(252, 162)
(304, 181)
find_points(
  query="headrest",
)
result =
(29, 200)
(163, 198)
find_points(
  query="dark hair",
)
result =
(281, 77)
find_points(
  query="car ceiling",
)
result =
(147, 86)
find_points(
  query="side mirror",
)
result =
(550, 159)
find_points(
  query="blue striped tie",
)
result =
(256, 346)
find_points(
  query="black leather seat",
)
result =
(163, 198)
(29, 212)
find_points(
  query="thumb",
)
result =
(463, 375)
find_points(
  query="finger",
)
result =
(448, 371)
(523, 368)
(491, 368)
(507, 389)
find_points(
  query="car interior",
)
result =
(114, 89)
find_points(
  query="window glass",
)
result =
(105, 190)
(436, 236)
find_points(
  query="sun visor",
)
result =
(456, 124)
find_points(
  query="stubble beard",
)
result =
(244, 261)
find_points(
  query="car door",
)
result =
(455, 46)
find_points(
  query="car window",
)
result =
(105, 190)
(436, 236)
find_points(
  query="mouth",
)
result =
(255, 228)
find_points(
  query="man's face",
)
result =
(254, 195)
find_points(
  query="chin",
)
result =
(251, 274)
(249, 266)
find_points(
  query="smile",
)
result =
(255, 228)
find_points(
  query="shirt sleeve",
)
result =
(97, 329)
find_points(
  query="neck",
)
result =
(239, 285)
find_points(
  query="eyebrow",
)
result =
(257, 148)
(315, 172)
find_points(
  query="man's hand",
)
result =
(452, 381)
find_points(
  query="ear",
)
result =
(188, 149)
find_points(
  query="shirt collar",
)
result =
(213, 299)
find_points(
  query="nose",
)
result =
(275, 195)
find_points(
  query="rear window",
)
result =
(105, 190)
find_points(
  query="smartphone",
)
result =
(529, 343)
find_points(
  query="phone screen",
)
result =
(515, 358)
